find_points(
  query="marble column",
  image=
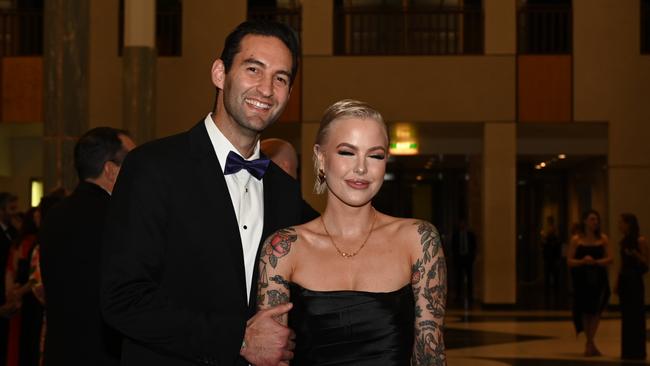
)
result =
(139, 69)
(499, 275)
(66, 98)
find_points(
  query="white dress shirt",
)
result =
(247, 194)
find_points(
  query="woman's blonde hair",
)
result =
(346, 108)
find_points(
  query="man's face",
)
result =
(113, 169)
(10, 210)
(257, 86)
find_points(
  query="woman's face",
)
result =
(37, 217)
(353, 158)
(592, 223)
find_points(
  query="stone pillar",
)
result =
(65, 60)
(500, 27)
(499, 225)
(317, 27)
(139, 69)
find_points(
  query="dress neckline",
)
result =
(402, 289)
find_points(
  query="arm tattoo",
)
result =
(279, 245)
(280, 281)
(272, 287)
(429, 282)
(277, 298)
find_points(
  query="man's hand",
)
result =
(267, 342)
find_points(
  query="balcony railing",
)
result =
(289, 16)
(408, 31)
(21, 32)
(544, 29)
(645, 26)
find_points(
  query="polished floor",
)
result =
(535, 338)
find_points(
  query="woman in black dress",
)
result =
(630, 288)
(367, 288)
(588, 258)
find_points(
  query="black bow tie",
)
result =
(235, 163)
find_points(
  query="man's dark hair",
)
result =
(95, 148)
(261, 28)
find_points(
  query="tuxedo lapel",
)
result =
(218, 202)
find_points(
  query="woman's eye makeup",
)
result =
(378, 156)
(345, 152)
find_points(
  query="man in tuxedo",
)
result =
(8, 208)
(463, 242)
(189, 213)
(70, 238)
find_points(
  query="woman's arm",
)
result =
(642, 254)
(429, 282)
(607, 259)
(275, 271)
(571, 253)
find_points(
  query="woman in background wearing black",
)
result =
(634, 263)
(588, 258)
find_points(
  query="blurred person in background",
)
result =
(71, 237)
(8, 233)
(588, 258)
(630, 288)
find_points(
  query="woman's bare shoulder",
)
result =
(409, 230)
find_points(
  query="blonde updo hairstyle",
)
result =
(346, 108)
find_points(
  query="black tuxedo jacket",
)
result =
(71, 238)
(173, 270)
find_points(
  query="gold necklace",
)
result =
(346, 254)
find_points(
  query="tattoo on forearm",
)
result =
(262, 283)
(276, 246)
(277, 297)
(429, 282)
(280, 281)
(279, 245)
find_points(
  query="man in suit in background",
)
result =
(189, 213)
(463, 243)
(71, 237)
(8, 208)
(282, 153)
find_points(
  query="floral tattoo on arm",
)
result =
(429, 282)
(273, 288)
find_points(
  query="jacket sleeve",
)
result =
(133, 260)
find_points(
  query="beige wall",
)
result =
(500, 27)
(317, 27)
(414, 89)
(616, 89)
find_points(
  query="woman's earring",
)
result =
(321, 176)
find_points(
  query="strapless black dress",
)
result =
(352, 327)
(590, 285)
